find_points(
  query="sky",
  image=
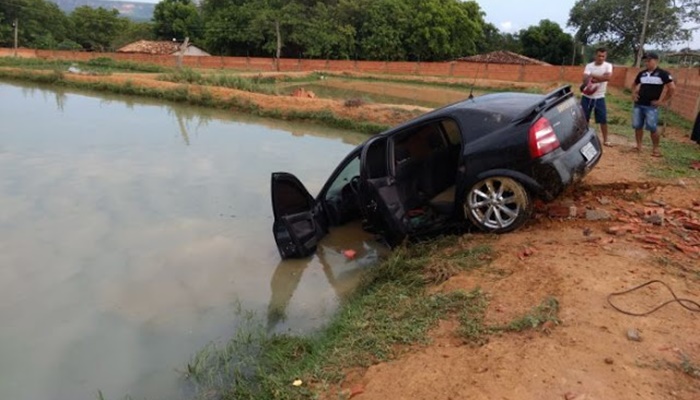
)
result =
(512, 16)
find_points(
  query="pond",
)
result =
(132, 231)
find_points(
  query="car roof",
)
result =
(507, 104)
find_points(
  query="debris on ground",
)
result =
(633, 335)
(349, 254)
(301, 92)
(597, 215)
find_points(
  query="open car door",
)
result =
(383, 208)
(298, 224)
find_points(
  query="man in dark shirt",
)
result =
(648, 95)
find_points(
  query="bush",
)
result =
(68, 45)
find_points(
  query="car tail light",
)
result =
(543, 140)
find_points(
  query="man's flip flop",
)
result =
(656, 154)
(608, 144)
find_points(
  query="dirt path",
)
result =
(589, 355)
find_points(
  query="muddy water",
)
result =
(132, 232)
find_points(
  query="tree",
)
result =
(95, 28)
(177, 19)
(443, 29)
(227, 27)
(131, 32)
(619, 22)
(547, 42)
(494, 40)
(325, 35)
(41, 23)
(383, 29)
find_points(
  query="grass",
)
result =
(257, 84)
(474, 331)
(459, 85)
(389, 312)
(689, 368)
(101, 65)
(678, 268)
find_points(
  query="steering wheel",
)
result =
(355, 186)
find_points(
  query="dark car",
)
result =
(478, 162)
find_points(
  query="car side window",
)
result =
(418, 144)
(351, 170)
(451, 129)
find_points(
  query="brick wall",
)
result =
(686, 102)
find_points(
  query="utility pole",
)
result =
(640, 53)
(183, 49)
(16, 26)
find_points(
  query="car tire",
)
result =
(498, 204)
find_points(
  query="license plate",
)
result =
(589, 152)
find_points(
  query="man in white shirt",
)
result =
(596, 77)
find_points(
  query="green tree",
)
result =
(177, 19)
(227, 27)
(41, 23)
(279, 24)
(495, 40)
(444, 29)
(95, 28)
(131, 32)
(619, 22)
(383, 30)
(325, 35)
(547, 42)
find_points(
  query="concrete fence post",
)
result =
(521, 73)
(452, 68)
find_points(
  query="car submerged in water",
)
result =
(480, 162)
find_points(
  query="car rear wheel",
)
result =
(498, 204)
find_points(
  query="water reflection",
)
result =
(341, 274)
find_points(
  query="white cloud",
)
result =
(506, 26)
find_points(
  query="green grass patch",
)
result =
(389, 312)
(676, 162)
(475, 331)
(547, 311)
(100, 65)
(257, 84)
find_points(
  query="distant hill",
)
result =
(133, 10)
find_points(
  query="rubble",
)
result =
(597, 215)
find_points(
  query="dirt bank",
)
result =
(576, 260)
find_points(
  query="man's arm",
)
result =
(635, 92)
(604, 77)
(669, 90)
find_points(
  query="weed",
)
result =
(547, 311)
(677, 160)
(474, 331)
(354, 102)
(471, 319)
(689, 368)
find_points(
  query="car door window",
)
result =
(351, 170)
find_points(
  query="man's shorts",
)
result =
(598, 105)
(645, 116)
